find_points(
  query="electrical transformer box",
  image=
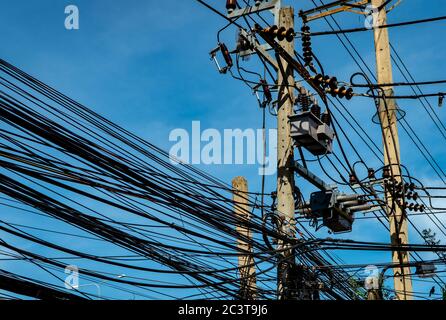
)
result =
(329, 206)
(309, 132)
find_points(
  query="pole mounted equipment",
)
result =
(223, 49)
(231, 5)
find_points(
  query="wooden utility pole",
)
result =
(247, 271)
(373, 294)
(285, 174)
(388, 119)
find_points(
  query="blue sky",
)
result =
(144, 64)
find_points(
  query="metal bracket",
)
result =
(259, 49)
(370, 183)
(344, 6)
(265, 5)
(264, 47)
(312, 178)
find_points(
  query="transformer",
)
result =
(338, 220)
(336, 209)
(309, 132)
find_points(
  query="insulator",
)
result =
(349, 94)
(280, 33)
(306, 46)
(304, 99)
(274, 195)
(409, 186)
(258, 2)
(351, 203)
(440, 100)
(371, 173)
(318, 79)
(398, 194)
(305, 103)
(298, 100)
(416, 207)
(231, 5)
(266, 91)
(226, 54)
(422, 208)
(352, 179)
(386, 172)
(349, 197)
(306, 38)
(342, 92)
(271, 31)
(316, 110)
(326, 118)
(362, 207)
(412, 195)
(289, 35)
(398, 186)
(331, 82)
(306, 52)
(305, 28)
(334, 91)
(284, 33)
(411, 206)
(326, 80)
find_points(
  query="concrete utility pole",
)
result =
(285, 174)
(247, 271)
(388, 119)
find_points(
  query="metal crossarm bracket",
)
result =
(312, 178)
(259, 49)
(265, 5)
(324, 7)
(347, 7)
(369, 183)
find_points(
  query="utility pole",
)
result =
(388, 119)
(285, 157)
(284, 18)
(247, 271)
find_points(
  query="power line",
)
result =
(400, 24)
